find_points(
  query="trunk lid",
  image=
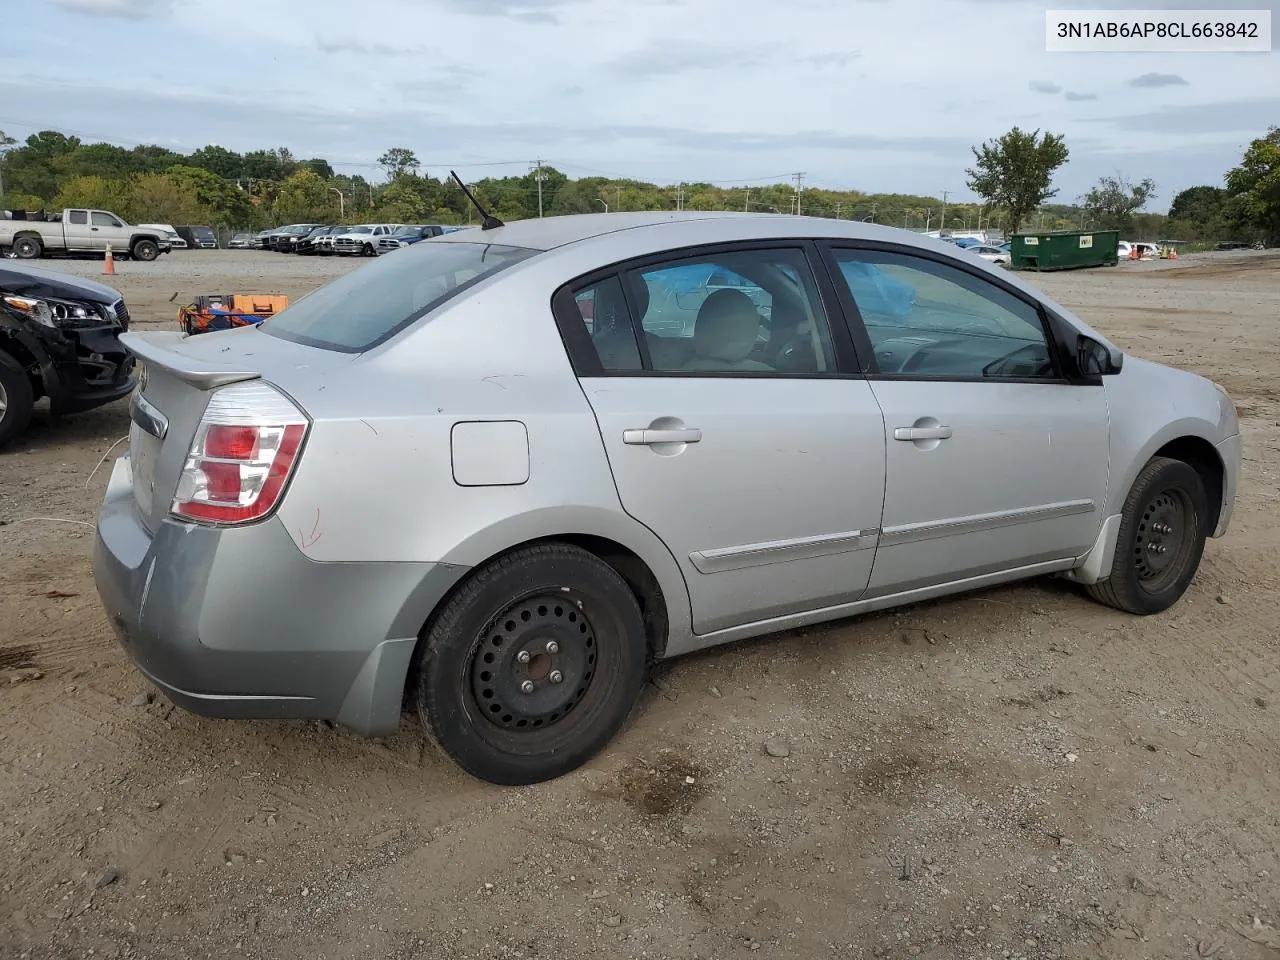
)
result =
(180, 375)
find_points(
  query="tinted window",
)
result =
(925, 318)
(745, 312)
(78, 216)
(365, 307)
(100, 219)
(604, 313)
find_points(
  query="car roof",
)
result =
(668, 228)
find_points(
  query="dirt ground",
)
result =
(1016, 773)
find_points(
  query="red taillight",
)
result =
(234, 443)
(242, 455)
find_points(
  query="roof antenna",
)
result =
(489, 221)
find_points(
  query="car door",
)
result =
(76, 232)
(106, 228)
(748, 446)
(994, 460)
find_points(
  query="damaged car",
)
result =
(59, 338)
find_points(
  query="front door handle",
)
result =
(649, 436)
(922, 433)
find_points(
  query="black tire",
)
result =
(27, 248)
(144, 250)
(1162, 534)
(468, 683)
(16, 399)
(368, 250)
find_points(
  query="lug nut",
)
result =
(555, 676)
(526, 687)
(553, 647)
(523, 656)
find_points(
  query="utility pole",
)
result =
(943, 221)
(618, 191)
(746, 204)
(839, 207)
(799, 186)
(680, 196)
(538, 175)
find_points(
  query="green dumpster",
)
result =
(1065, 249)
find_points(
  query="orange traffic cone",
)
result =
(1133, 252)
(1173, 253)
(109, 264)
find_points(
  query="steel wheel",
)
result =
(1165, 536)
(535, 663)
(1163, 526)
(532, 665)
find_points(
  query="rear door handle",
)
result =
(649, 436)
(922, 433)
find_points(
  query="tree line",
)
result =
(1015, 174)
(1012, 174)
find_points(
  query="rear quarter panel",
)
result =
(376, 480)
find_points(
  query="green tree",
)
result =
(399, 161)
(1113, 201)
(222, 201)
(36, 167)
(99, 193)
(165, 198)
(1015, 172)
(1254, 187)
(304, 198)
(409, 199)
(1198, 213)
(219, 160)
(319, 167)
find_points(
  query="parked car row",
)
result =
(355, 240)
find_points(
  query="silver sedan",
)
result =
(507, 469)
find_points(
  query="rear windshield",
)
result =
(367, 306)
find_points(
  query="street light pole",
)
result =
(603, 204)
(342, 203)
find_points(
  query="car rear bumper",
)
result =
(238, 623)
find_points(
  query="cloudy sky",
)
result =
(877, 95)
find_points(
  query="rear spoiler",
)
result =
(158, 348)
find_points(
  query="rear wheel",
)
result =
(533, 665)
(27, 248)
(1163, 529)
(16, 399)
(145, 250)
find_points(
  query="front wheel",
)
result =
(16, 399)
(1163, 528)
(533, 665)
(368, 250)
(145, 250)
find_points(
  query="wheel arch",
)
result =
(12, 344)
(29, 235)
(1193, 442)
(1203, 457)
(631, 549)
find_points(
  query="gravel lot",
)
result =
(1016, 773)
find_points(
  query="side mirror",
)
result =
(1097, 359)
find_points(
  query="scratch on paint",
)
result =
(371, 427)
(310, 539)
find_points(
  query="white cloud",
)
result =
(873, 95)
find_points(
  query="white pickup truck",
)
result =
(31, 235)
